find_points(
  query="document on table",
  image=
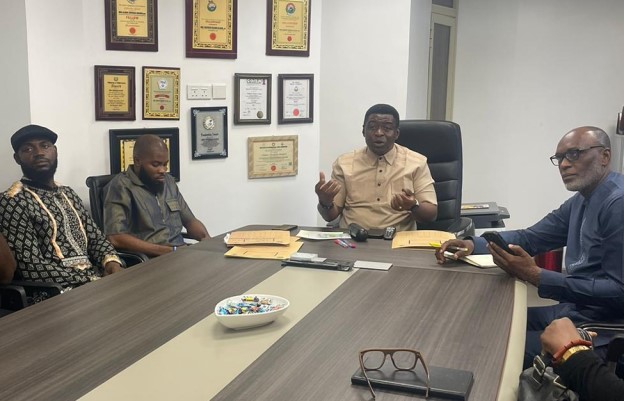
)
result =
(420, 238)
(321, 235)
(484, 261)
(363, 264)
(279, 252)
(262, 237)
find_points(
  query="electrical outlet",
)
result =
(196, 91)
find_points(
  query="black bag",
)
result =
(540, 383)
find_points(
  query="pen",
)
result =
(341, 243)
(349, 244)
(451, 248)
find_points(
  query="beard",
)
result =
(594, 173)
(41, 176)
(153, 185)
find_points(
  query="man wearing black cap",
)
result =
(47, 228)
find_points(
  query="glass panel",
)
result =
(444, 3)
(439, 71)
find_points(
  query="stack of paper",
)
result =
(420, 238)
(269, 244)
(263, 237)
(483, 261)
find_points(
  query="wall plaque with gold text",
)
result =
(288, 28)
(161, 93)
(211, 28)
(272, 156)
(114, 93)
(132, 25)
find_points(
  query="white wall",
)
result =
(527, 72)
(66, 38)
(14, 102)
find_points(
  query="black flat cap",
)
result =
(31, 131)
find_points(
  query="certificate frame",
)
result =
(295, 98)
(161, 93)
(121, 143)
(288, 28)
(133, 26)
(252, 98)
(209, 124)
(115, 97)
(272, 156)
(211, 28)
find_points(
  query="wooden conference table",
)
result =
(148, 333)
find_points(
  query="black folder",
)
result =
(452, 384)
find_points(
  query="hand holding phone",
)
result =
(495, 237)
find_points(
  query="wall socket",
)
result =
(198, 92)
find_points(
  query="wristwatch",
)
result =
(416, 206)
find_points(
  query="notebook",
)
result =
(452, 384)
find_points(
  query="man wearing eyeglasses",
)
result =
(381, 185)
(590, 224)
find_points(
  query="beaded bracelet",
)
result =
(557, 355)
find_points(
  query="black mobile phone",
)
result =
(493, 236)
(286, 227)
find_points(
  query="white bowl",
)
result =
(245, 321)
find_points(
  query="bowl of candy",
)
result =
(250, 310)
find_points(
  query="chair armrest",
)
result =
(12, 297)
(131, 258)
(20, 294)
(462, 227)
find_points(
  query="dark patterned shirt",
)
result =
(52, 236)
(131, 208)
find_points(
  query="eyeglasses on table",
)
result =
(403, 359)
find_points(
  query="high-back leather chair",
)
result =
(440, 142)
(96, 186)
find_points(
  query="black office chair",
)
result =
(96, 186)
(440, 142)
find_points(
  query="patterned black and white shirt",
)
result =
(52, 236)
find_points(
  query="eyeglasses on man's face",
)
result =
(402, 359)
(571, 155)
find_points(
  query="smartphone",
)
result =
(493, 236)
(286, 227)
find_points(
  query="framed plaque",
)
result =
(252, 98)
(161, 93)
(209, 131)
(132, 25)
(295, 98)
(211, 28)
(288, 28)
(121, 142)
(114, 93)
(272, 156)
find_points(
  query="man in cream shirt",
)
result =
(381, 185)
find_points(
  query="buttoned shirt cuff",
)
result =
(551, 284)
(111, 258)
(480, 245)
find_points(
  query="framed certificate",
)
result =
(161, 93)
(288, 28)
(209, 131)
(121, 142)
(132, 25)
(211, 28)
(295, 98)
(252, 98)
(272, 156)
(114, 93)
